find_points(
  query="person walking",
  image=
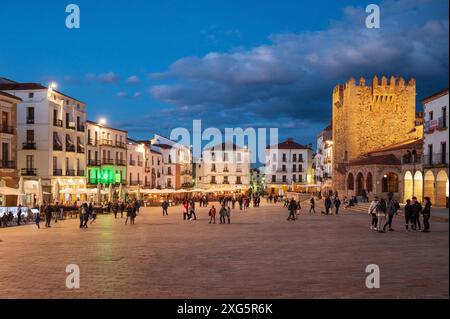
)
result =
(115, 209)
(426, 213)
(122, 209)
(133, 214)
(312, 203)
(37, 219)
(381, 215)
(192, 215)
(392, 208)
(185, 210)
(83, 215)
(298, 209)
(129, 211)
(92, 213)
(408, 215)
(165, 206)
(327, 204)
(212, 215)
(292, 207)
(222, 214)
(373, 213)
(337, 204)
(416, 209)
(48, 216)
(87, 214)
(19, 214)
(228, 214)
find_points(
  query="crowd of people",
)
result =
(382, 214)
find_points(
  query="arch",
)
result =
(428, 186)
(408, 186)
(389, 183)
(442, 189)
(418, 185)
(369, 183)
(350, 182)
(359, 184)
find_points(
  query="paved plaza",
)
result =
(260, 255)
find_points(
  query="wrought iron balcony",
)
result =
(93, 162)
(28, 172)
(57, 172)
(7, 129)
(80, 172)
(58, 123)
(29, 146)
(70, 148)
(7, 164)
(70, 172)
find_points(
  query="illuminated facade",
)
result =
(288, 167)
(323, 159)
(106, 155)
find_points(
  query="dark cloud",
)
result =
(290, 79)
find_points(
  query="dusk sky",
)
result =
(151, 66)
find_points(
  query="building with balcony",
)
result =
(224, 166)
(9, 175)
(50, 138)
(323, 158)
(177, 163)
(435, 148)
(153, 166)
(106, 154)
(136, 159)
(288, 167)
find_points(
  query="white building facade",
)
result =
(51, 139)
(323, 159)
(224, 165)
(435, 148)
(288, 167)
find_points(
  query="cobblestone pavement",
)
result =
(260, 255)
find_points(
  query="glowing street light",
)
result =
(53, 86)
(102, 121)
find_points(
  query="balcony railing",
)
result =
(121, 162)
(213, 182)
(80, 172)
(135, 183)
(108, 161)
(438, 159)
(140, 163)
(226, 182)
(80, 149)
(106, 142)
(58, 123)
(81, 128)
(132, 163)
(93, 162)
(57, 147)
(70, 126)
(70, 172)
(70, 148)
(28, 172)
(121, 145)
(7, 129)
(238, 182)
(7, 164)
(29, 146)
(92, 142)
(57, 172)
(30, 120)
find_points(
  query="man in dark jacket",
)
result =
(292, 206)
(408, 215)
(392, 208)
(426, 213)
(337, 204)
(416, 209)
(327, 205)
(48, 216)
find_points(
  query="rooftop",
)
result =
(10, 96)
(289, 144)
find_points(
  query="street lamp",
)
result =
(53, 86)
(102, 121)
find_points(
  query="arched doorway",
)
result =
(441, 189)
(350, 182)
(408, 186)
(359, 184)
(369, 183)
(389, 183)
(428, 186)
(418, 186)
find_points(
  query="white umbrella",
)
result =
(110, 192)
(21, 192)
(56, 192)
(40, 200)
(138, 194)
(120, 191)
(99, 194)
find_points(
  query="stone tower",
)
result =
(369, 117)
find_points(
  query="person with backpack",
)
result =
(392, 208)
(426, 213)
(373, 213)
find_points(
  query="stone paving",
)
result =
(260, 255)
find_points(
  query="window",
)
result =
(443, 153)
(30, 136)
(294, 168)
(294, 158)
(300, 168)
(30, 95)
(30, 115)
(300, 178)
(431, 115)
(238, 157)
(300, 157)
(294, 178)
(213, 167)
(390, 183)
(284, 178)
(274, 178)
(30, 161)
(238, 180)
(284, 157)
(283, 168)
(213, 179)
